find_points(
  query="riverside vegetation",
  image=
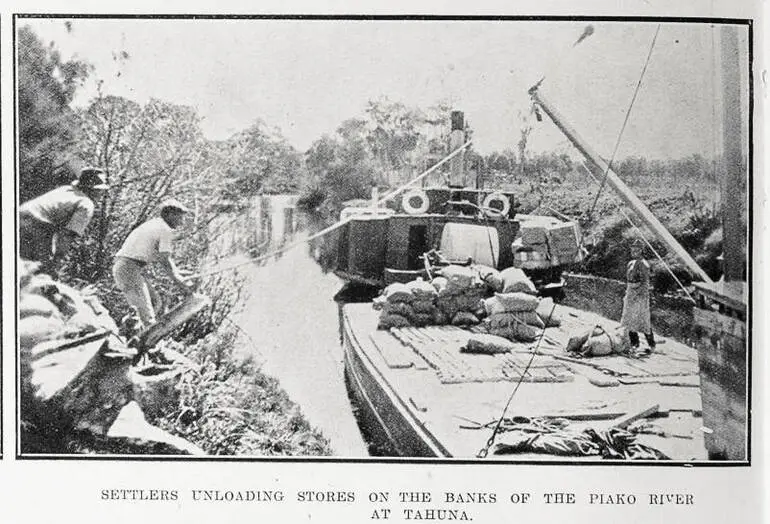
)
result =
(155, 150)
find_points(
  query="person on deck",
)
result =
(49, 223)
(150, 242)
(636, 303)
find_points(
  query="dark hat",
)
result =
(173, 203)
(93, 178)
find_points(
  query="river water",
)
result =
(290, 319)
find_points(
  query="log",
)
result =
(172, 320)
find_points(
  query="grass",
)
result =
(229, 407)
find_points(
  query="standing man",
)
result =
(49, 223)
(148, 243)
(636, 303)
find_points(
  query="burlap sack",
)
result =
(397, 292)
(514, 280)
(388, 321)
(464, 319)
(550, 315)
(487, 344)
(422, 289)
(517, 301)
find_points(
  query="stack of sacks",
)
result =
(424, 303)
(396, 306)
(460, 292)
(411, 304)
(513, 316)
(49, 309)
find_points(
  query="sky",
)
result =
(306, 77)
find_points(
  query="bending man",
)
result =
(49, 223)
(148, 243)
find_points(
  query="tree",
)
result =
(345, 169)
(47, 128)
(260, 159)
(363, 151)
(149, 153)
(522, 144)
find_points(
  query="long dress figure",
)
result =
(636, 303)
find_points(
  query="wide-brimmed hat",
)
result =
(173, 203)
(91, 178)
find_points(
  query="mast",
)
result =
(614, 181)
(732, 132)
(456, 140)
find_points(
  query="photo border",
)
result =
(748, 22)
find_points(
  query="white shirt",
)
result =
(148, 241)
(65, 207)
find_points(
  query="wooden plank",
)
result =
(732, 294)
(60, 344)
(172, 320)
(691, 381)
(395, 354)
(55, 371)
(717, 324)
(628, 418)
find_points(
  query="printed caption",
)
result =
(402, 505)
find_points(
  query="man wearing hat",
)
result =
(149, 243)
(49, 223)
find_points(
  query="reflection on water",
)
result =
(291, 318)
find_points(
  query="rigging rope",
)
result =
(337, 224)
(428, 171)
(641, 235)
(625, 121)
(483, 452)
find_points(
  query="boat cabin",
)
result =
(378, 246)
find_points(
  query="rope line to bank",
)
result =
(337, 224)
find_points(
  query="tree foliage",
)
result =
(258, 160)
(47, 130)
(389, 138)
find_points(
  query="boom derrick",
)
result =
(623, 191)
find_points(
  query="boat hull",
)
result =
(384, 416)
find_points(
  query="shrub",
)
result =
(228, 406)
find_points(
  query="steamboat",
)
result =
(426, 396)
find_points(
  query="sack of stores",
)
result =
(460, 278)
(533, 234)
(460, 242)
(535, 256)
(515, 280)
(564, 239)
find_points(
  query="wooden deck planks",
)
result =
(438, 348)
(395, 354)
